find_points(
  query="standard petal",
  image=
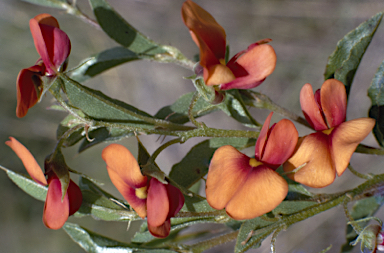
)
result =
(260, 144)
(333, 102)
(252, 67)
(28, 160)
(311, 109)
(129, 194)
(263, 190)
(121, 160)
(157, 203)
(56, 210)
(345, 138)
(27, 83)
(75, 197)
(228, 171)
(281, 143)
(207, 33)
(161, 231)
(313, 152)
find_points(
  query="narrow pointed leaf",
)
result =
(376, 94)
(344, 61)
(101, 62)
(60, 4)
(95, 243)
(28, 185)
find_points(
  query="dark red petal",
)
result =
(280, 144)
(228, 171)
(28, 160)
(311, 109)
(56, 210)
(75, 197)
(334, 102)
(176, 200)
(161, 231)
(263, 190)
(261, 140)
(157, 203)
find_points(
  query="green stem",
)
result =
(369, 150)
(161, 148)
(201, 246)
(244, 107)
(358, 174)
(195, 97)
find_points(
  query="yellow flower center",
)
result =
(222, 61)
(141, 193)
(254, 163)
(328, 131)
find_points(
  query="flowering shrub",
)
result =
(254, 194)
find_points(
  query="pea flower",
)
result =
(322, 155)
(56, 208)
(149, 198)
(246, 70)
(53, 46)
(249, 187)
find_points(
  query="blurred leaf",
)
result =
(178, 111)
(67, 123)
(249, 236)
(95, 243)
(291, 207)
(376, 94)
(297, 192)
(193, 166)
(60, 4)
(239, 143)
(27, 184)
(101, 62)
(196, 205)
(121, 31)
(98, 204)
(104, 134)
(344, 61)
(99, 106)
(361, 209)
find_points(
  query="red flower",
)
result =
(56, 208)
(53, 46)
(328, 151)
(247, 69)
(249, 187)
(157, 201)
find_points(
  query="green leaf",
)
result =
(291, 207)
(66, 124)
(193, 166)
(239, 143)
(361, 209)
(376, 94)
(101, 205)
(178, 111)
(121, 31)
(60, 4)
(344, 61)
(196, 205)
(27, 184)
(95, 243)
(101, 62)
(99, 106)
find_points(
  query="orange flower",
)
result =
(53, 46)
(246, 70)
(154, 200)
(328, 151)
(56, 208)
(249, 187)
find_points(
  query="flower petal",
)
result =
(46, 19)
(228, 171)
(345, 138)
(157, 203)
(75, 197)
(251, 69)
(206, 32)
(313, 151)
(261, 140)
(263, 190)
(311, 109)
(121, 160)
(280, 144)
(27, 83)
(56, 211)
(129, 194)
(161, 231)
(218, 74)
(28, 160)
(176, 200)
(52, 44)
(333, 102)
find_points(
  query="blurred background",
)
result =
(304, 33)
